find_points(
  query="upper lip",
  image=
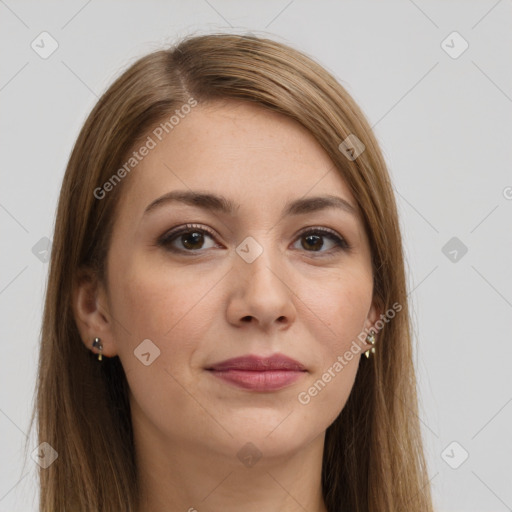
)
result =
(257, 363)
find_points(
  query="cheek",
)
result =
(156, 301)
(340, 306)
(324, 397)
(174, 310)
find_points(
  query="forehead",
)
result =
(236, 149)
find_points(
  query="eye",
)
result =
(313, 240)
(190, 236)
(192, 239)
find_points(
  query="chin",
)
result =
(273, 433)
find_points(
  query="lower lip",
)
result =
(269, 380)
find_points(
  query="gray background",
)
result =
(444, 125)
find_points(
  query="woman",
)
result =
(226, 323)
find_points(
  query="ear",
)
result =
(90, 309)
(374, 314)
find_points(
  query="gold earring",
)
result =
(370, 339)
(97, 344)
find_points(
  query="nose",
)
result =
(261, 294)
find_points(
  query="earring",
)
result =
(97, 344)
(370, 339)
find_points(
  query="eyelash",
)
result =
(165, 240)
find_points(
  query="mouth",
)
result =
(259, 373)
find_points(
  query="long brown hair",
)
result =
(373, 455)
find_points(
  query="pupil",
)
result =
(318, 239)
(195, 235)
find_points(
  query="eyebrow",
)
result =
(221, 204)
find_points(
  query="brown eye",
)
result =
(192, 240)
(312, 240)
(190, 237)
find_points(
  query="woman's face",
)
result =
(253, 280)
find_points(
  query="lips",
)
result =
(259, 373)
(256, 363)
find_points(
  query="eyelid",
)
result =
(321, 229)
(185, 228)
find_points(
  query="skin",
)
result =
(299, 297)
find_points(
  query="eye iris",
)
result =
(318, 239)
(197, 239)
